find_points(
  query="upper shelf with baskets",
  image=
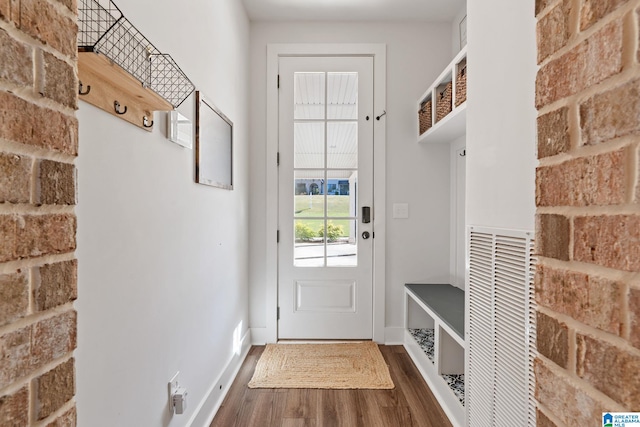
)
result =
(442, 109)
(121, 71)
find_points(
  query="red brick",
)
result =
(610, 241)
(68, 419)
(41, 20)
(36, 235)
(612, 114)
(634, 309)
(553, 133)
(552, 236)
(591, 300)
(14, 409)
(553, 30)
(14, 296)
(56, 284)
(587, 181)
(542, 4)
(566, 399)
(610, 369)
(15, 355)
(57, 183)
(5, 10)
(589, 63)
(594, 10)
(543, 421)
(10, 11)
(71, 5)
(8, 232)
(53, 338)
(16, 60)
(15, 178)
(23, 122)
(54, 389)
(60, 81)
(552, 339)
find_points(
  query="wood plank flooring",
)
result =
(410, 404)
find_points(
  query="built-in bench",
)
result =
(434, 338)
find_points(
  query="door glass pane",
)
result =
(342, 96)
(309, 244)
(309, 189)
(308, 144)
(342, 193)
(309, 95)
(342, 145)
(342, 243)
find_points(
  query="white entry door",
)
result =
(325, 206)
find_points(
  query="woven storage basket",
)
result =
(443, 106)
(425, 116)
(461, 86)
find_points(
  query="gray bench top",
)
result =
(445, 300)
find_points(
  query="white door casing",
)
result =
(325, 181)
(268, 332)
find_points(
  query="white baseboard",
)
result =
(208, 407)
(394, 336)
(259, 336)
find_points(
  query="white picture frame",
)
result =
(463, 32)
(179, 129)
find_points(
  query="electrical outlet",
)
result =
(173, 388)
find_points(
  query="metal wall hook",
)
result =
(80, 92)
(116, 106)
(464, 153)
(384, 113)
(145, 122)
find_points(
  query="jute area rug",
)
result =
(324, 366)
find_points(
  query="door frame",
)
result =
(378, 52)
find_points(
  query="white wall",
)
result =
(418, 247)
(501, 116)
(163, 261)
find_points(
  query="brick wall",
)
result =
(588, 210)
(38, 271)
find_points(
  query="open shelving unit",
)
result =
(434, 338)
(453, 124)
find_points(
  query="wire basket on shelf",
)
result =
(425, 116)
(105, 30)
(443, 105)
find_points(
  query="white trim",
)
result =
(379, 54)
(259, 336)
(209, 405)
(394, 336)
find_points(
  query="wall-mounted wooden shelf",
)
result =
(121, 71)
(107, 83)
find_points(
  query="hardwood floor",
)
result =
(411, 403)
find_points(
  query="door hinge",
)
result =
(278, 158)
(373, 235)
(278, 236)
(278, 81)
(278, 313)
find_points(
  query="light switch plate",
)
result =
(401, 210)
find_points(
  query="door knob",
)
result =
(366, 235)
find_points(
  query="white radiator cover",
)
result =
(501, 328)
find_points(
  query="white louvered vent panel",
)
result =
(533, 352)
(501, 328)
(480, 324)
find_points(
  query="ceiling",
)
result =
(353, 10)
